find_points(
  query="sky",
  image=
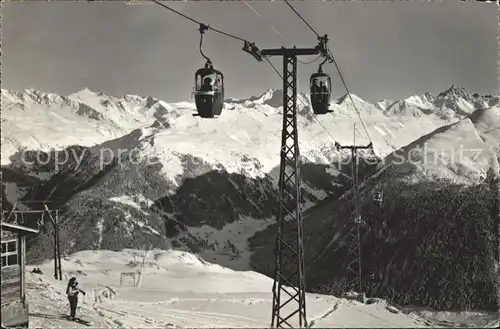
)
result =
(385, 50)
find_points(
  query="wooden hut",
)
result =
(13, 279)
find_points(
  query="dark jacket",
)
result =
(72, 289)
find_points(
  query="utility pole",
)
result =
(289, 276)
(57, 244)
(21, 217)
(353, 269)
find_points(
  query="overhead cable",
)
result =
(277, 31)
(199, 23)
(302, 18)
(338, 70)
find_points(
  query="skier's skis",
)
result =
(78, 320)
(84, 322)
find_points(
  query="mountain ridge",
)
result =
(113, 117)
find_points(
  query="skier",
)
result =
(72, 291)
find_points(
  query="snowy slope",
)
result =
(384, 103)
(177, 289)
(412, 106)
(494, 324)
(462, 152)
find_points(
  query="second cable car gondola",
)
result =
(320, 85)
(377, 197)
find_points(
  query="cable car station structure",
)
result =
(289, 285)
(36, 217)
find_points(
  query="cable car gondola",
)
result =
(377, 197)
(320, 85)
(209, 86)
(209, 91)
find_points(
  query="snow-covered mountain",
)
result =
(137, 169)
(88, 118)
(462, 152)
(34, 120)
(413, 106)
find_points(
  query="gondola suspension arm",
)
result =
(202, 30)
(320, 68)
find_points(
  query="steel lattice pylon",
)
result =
(353, 268)
(353, 278)
(289, 277)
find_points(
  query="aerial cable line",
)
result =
(355, 175)
(274, 67)
(199, 23)
(277, 31)
(350, 97)
(257, 13)
(302, 18)
(338, 70)
(178, 13)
